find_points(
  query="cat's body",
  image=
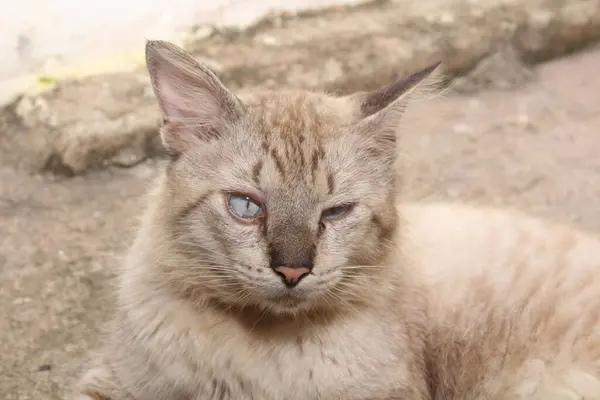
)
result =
(273, 264)
(513, 303)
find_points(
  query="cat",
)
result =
(274, 261)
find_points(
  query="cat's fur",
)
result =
(433, 301)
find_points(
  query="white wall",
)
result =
(78, 37)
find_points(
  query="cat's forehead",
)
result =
(304, 116)
(293, 130)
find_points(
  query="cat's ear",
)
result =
(194, 103)
(379, 111)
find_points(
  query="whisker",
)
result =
(343, 302)
(342, 290)
(262, 314)
(360, 267)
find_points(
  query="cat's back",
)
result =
(514, 302)
(462, 239)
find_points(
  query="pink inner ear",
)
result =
(175, 112)
(173, 99)
(184, 88)
(186, 102)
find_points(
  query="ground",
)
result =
(535, 148)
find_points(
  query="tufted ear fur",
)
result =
(194, 103)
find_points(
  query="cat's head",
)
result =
(279, 200)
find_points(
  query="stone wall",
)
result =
(60, 38)
(111, 119)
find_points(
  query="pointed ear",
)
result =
(377, 100)
(379, 112)
(194, 102)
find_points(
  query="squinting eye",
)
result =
(336, 212)
(244, 207)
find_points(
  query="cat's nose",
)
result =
(291, 275)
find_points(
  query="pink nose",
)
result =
(291, 275)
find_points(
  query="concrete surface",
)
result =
(112, 119)
(52, 38)
(535, 148)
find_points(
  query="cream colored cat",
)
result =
(273, 264)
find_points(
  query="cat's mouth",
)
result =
(287, 297)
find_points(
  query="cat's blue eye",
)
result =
(336, 212)
(243, 206)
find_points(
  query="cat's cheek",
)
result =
(337, 244)
(357, 232)
(245, 243)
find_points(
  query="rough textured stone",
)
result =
(112, 120)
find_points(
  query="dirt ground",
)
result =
(536, 148)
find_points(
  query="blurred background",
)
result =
(518, 126)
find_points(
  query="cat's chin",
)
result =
(286, 308)
(286, 303)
